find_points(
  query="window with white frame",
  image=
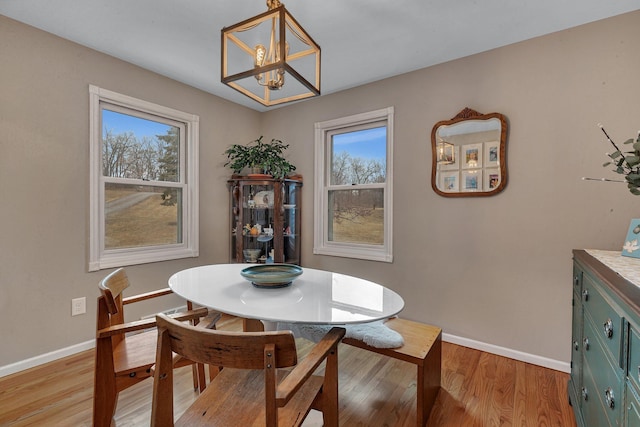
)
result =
(353, 186)
(143, 181)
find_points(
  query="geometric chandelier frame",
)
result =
(271, 58)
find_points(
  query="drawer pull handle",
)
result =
(585, 343)
(585, 295)
(608, 396)
(576, 280)
(576, 347)
(608, 328)
(585, 395)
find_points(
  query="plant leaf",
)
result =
(633, 178)
(633, 160)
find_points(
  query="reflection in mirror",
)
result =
(469, 155)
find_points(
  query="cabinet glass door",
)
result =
(291, 224)
(265, 221)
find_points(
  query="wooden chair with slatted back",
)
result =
(125, 352)
(250, 391)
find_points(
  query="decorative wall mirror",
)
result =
(469, 155)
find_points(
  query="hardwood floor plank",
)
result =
(520, 396)
(478, 389)
(504, 391)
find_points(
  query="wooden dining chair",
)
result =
(251, 390)
(125, 352)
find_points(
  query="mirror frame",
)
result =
(464, 115)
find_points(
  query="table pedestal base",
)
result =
(252, 325)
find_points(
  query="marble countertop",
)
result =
(627, 267)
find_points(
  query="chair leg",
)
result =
(330, 391)
(194, 373)
(202, 379)
(105, 394)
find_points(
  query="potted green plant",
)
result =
(260, 157)
(626, 163)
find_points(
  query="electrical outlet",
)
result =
(78, 306)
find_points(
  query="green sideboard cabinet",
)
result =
(604, 386)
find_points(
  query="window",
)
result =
(143, 183)
(353, 186)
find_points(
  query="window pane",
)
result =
(359, 157)
(356, 216)
(137, 148)
(138, 215)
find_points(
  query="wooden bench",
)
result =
(422, 347)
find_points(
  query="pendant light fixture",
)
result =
(445, 152)
(271, 58)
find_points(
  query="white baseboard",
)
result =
(510, 353)
(465, 342)
(63, 352)
(45, 358)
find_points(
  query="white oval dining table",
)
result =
(315, 297)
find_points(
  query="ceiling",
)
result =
(362, 40)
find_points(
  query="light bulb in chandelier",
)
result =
(260, 55)
(274, 79)
(445, 154)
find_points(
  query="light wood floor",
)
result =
(478, 389)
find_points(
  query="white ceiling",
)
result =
(361, 40)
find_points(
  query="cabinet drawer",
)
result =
(634, 357)
(593, 412)
(606, 318)
(633, 408)
(601, 376)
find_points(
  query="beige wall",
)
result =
(496, 270)
(44, 187)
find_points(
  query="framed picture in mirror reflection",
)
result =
(471, 180)
(491, 179)
(450, 181)
(472, 156)
(491, 154)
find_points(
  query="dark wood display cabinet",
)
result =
(265, 219)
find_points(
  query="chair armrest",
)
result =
(303, 370)
(140, 325)
(146, 296)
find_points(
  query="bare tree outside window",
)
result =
(358, 160)
(138, 149)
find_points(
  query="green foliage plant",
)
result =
(267, 156)
(626, 163)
